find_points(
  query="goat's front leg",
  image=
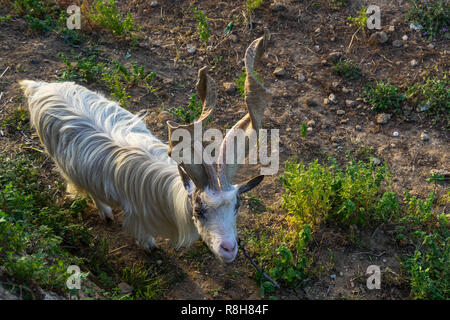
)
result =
(104, 210)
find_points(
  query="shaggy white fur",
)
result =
(109, 153)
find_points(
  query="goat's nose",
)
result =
(228, 246)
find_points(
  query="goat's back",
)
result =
(89, 136)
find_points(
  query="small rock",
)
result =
(340, 112)
(414, 63)
(230, 87)
(346, 90)
(311, 123)
(125, 287)
(376, 161)
(332, 98)
(383, 118)
(154, 4)
(424, 136)
(405, 38)
(378, 37)
(350, 103)
(358, 127)
(191, 49)
(279, 72)
(301, 77)
(397, 43)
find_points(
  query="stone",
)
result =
(230, 87)
(301, 77)
(397, 43)
(376, 161)
(383, 118)
(332, 98)
(424, 136)
(311, 123)
(279, 72)
(378, 37)
(125, 288)
(350, 103)
(191, 48)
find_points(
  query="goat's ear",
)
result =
(187, 182)
(250, 184)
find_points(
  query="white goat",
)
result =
(105, 151)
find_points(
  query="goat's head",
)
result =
(213, 197)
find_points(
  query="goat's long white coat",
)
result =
(106, 151)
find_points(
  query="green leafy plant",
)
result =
(106, 14)
(303, 130)
(432, 95)
(240, 83)
(116, 77)
(203, 26)
(428, 267)
(349, 196)
(347, 68)
(432, 15)
(189, 113)
(18, 119)
(359, 20)
(384, 97)
(337, 4)
(253, 4)
(42, 16)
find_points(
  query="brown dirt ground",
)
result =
(169, 28)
